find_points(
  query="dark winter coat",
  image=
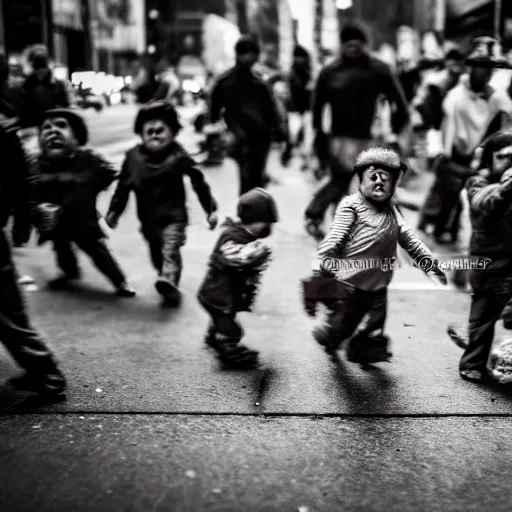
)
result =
(159, 187)
(74, 184)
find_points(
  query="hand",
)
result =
(441, 275)
(111, 221)
(213, 220)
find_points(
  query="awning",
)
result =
(458, 8)
(464, 17)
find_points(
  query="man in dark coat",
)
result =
(25, 345)
(250, 113)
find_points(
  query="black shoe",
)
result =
(237, 356)
(475, 376)
(63, 282)
(46, 385)
(126, 291)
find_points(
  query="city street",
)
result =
(152, 423)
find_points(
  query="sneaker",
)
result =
(126, 291)
(164, 286)
(47, 385)
(63, 282)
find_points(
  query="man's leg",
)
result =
(173, 239)
(154, 241)
(449, 203)
(98, 251)
(490, 296)
(24, 344)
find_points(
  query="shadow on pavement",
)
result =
(365, 393)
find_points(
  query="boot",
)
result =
(171, 296)
(64, 281)
(233, 355)
(48, 385)
(365, 349)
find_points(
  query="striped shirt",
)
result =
(361, 233)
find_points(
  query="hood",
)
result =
(257, 205)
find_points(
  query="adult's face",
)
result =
(246, 60)
(352, 49)
(377, 184)
(502, 160)
(480, 77)
(156, 135)
(57, 138)
(455, 67)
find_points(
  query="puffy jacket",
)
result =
(491, 220)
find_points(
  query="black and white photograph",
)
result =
(255, 255)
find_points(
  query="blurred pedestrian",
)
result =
(250, 113)
(234, 274)
(490, 200)
(472, 110)
(26, 346)
(10, 110)
(351, 87)
(67, 181)
(155, 171)
(40, 92)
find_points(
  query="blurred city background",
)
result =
(107, 44)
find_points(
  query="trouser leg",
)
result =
(25, 345)
(489, 298)
(103, 259)
(343, 318)
(252, 158)
(66, 257)
(370, 344)
(450, 201)
(173, 239)
(154, 241)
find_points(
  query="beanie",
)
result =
(247, 45)
(353, 33)
(257, 205)
(379, 157)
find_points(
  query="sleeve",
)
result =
(340, 231)
(216, 103)
(250, 255)
(105, 173)
(202, 189)
(121, 194)
(394, 92)
(23, 175)
(319, 99)
(410, 242)
(488, 199)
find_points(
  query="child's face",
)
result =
(156, 135)
(377, 184)
(502, 160)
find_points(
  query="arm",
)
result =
(243, 256)
(105, 172)
(216, 103)
(410, 242)
(121, 196)
(488, 199)
(319, 99)
(202, 189)
(392, 89)
(340, 231)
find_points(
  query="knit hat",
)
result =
(38, 56)
(492, 144)
(257, 205)
(75, 120)
(158, 110)
(247, 44)
(300, 51)
(352, 32)
(385, 159)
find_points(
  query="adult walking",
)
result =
(351, 86)
(250, 113)
(26, 346)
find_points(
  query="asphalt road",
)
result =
(152, 422)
